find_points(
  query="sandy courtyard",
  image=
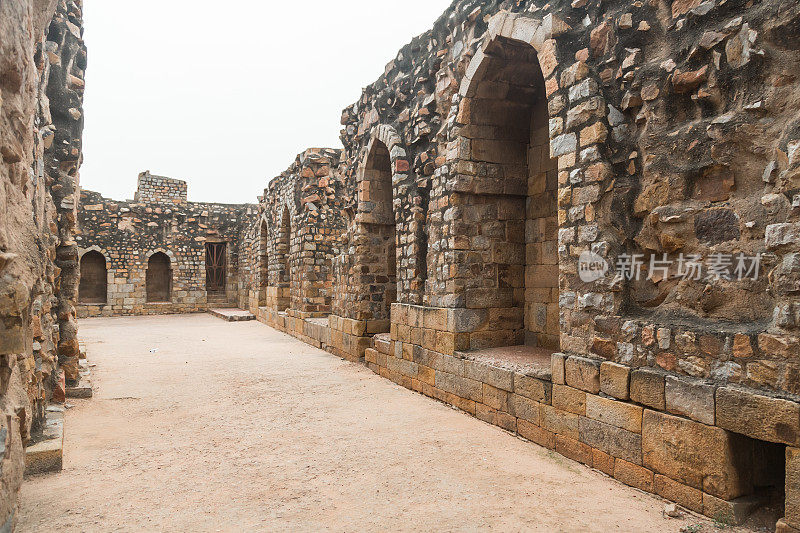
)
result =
(238, 427)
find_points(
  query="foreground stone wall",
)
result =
(579, 221)
(129, 234)
(42, 64)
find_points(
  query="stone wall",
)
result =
(579, 221)
(152, 189)
(301, 219)
(42, 64)
(161, 244)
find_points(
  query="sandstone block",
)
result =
(495, 398)
(496, 377)
(574, 449)
(619, 414)
(612, 440)
(603, 462)
(569, 399)
(691, 398)
(536, 434)
(557, 361)
(583, 373)
(463, 387)
(533, 388)
(704, 457)
(679, 493)
(524, 408)
(759, 417)
(731, 512)
(559, 422)
(793, 487)
(633, 475)
(647, 388)
(615, 380)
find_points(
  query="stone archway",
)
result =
(509, 223)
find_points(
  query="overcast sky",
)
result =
(225, 94)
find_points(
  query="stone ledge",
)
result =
(47, 454)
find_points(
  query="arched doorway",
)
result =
(93, 287)
(513, 245)
(158, 280)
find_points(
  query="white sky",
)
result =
(225, 94)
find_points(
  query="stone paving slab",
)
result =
(47, 454)
(232, 315)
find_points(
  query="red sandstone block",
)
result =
(506, 421)
(793, 487)
(426, 374)
(569, 399)
(679, 493)
(524, 408)
(536, 434)
(633, 475)
(495, 398)
(783, 527)
(558, 421)
(603, 462)
(485, 413)
(574, 449)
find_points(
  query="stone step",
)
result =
(232, 314)
(47, 454)
(383, 343)
(83, 389)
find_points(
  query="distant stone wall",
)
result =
(42, 64)
(160, 190)
(129, 234)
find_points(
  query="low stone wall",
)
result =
(687, 440)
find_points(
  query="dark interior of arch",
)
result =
(158, 278)
(93, 284)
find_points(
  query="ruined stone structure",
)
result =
(42, 65)
(580, 222)
(159, 253)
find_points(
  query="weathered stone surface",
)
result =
(792, 487)
(688, 497)
(714, 226)
(700, 456)
(633, 475)
(620, 414)
(615, 380)
(691, 398)
(582, 373)
(647, 388)
(757, 416)
(533, 388)
(612, 440)
(569, 399)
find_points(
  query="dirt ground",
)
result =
(202, 425)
